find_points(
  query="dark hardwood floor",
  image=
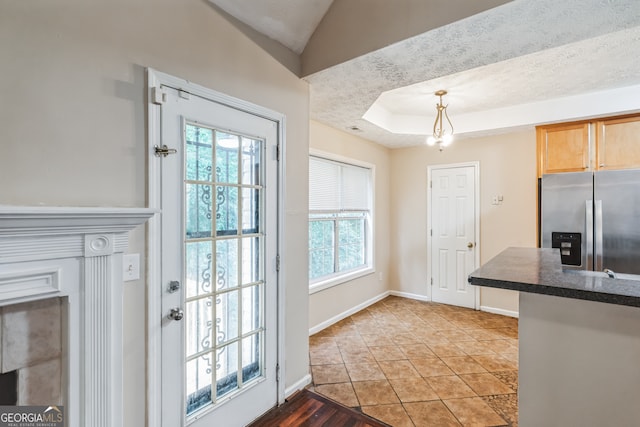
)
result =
(309, 409)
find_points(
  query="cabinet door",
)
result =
(563, 148)
(618, 143)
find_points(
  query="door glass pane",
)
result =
(251, 357)
(198, 382)
(199, 314)
(224, 323)
(227, 369)
(251, 267)
(226, 210)
(227, 317)
(198, 152)
(250, 161)
(250, 210)
(198, 210)
(227, 148)
(226, 264)
(251, 298)
(198, 268)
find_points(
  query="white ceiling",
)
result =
(514, 66)
(287, 22)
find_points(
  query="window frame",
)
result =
(338, 278)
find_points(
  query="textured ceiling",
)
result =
(599, 63)
(513, 55)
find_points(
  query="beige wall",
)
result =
(507, 168)
(72, 126)
(331, 302)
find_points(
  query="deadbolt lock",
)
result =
(174, 286)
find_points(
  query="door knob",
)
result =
(469, 245)
(176, 314)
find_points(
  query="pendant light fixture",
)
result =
(441, 136)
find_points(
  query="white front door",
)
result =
(219, 243)
(453, 214)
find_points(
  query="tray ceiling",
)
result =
(530, 61)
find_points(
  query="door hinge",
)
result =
(431, 232)
(277, 262)
(158, 96)
(278, 152)
(164, 151)
(432, 281)
(278, 372)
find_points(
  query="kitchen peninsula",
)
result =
(579, 338)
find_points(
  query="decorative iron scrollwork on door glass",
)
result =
(224, 326)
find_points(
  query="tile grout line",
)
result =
(349, 329)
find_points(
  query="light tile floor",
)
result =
(413, 363)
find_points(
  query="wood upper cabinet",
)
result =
(563, 148)
(618, 143)
(611, 143)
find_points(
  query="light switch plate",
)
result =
(130, 267)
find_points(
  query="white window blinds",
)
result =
(335, 186)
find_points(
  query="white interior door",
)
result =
(453, 214)
(219, 244)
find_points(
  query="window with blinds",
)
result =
(340, 198)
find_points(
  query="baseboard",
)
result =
(359, 307)
(499, 311)
(345, 314)
(298, 385)
(410, 295)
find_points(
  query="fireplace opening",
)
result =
(9, 388)
(32, 353)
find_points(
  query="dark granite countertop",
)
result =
(540, 271)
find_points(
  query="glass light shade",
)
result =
(442, 137)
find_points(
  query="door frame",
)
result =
(154, 227)
(476, 191)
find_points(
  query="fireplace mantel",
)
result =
(75, 253)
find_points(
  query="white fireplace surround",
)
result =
(75, 253)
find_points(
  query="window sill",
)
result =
(343, 278)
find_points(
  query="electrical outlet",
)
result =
(130, 267)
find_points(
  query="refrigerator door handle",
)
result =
(598, 235)
(588, 223)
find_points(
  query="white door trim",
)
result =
(430, 169)
(154, 312)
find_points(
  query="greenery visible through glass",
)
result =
(337, 243)
(224, 265)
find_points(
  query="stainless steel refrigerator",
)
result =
(593, 218)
